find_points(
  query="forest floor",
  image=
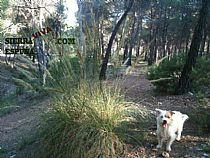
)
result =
(140, 91)
(16, 125)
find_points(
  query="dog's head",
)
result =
(164, 118)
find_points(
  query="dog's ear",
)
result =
(158, 111)
(171, 112)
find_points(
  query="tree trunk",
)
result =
(164, 37)
(146, 55)
(207, 51)
(129, 56)
(138, 50)
(102, 75)
(202, 47)
(132, 41)
(155, 46)
(184, 81)
(151, 55)
(125, 53)
(187, 43)
(101, 40)
(81, 34)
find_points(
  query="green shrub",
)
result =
(86, 124)
(201, 118)
(201, 76)
(165, 76)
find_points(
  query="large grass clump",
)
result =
(85, 124)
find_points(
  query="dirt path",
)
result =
(19, 122)
(15, 126)
(141, 91)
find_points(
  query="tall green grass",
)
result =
(64, 75)
(86, 124)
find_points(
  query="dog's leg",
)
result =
(160, 141)
(169, 143)
(180, 128)
(179, 133)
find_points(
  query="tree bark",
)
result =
(102, 41)
(165, 29)
(125, 53)
(207, 51)
(184, 81)
(102, 75)
(132, 40)
(151, 53)
(202, 47)
(138, 50)
(187, 43)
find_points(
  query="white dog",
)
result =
(169, 127)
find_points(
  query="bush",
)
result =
(201, 76)
(165, 76)
(86, 124)
(201, 118)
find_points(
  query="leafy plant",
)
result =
(201, 76)
(165, 76)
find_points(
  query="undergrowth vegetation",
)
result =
(201, 76)
(86, 124)
(87, 118)
(165, 76)
(8, 104)
(201, 119)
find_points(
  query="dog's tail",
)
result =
(184, 117)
